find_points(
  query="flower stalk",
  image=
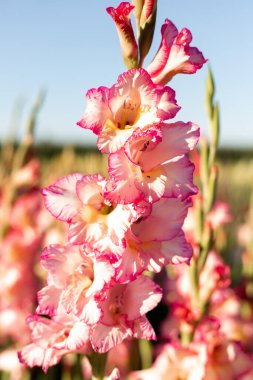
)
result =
(204, 204)
(19, 160)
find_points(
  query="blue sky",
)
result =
(68, 47)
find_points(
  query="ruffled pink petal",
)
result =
(142, 141)
(70, 296)
(60, 262)
(143, 329)
(134, 85)
(103, 337)
(78, 337)
(196, 58)
(177, 140)
(90, 188)
(152, 184)
(122, 172)
(174, 55)
(169, 33)
(119, 221)
(48, 300)
(111, 138)
(179, 179)
(184, 37)
(91, 313)
(40, 353)
(103, 275)
(41, 328)
(140, 296)
(129, 184)
(135, 102)
(61, 199)
(152, 258)
(81, 232)
(33, 355)
(104, 248)
(129, 265)
(167, 104)
(185, 136)
(182, 59)
(177, 250)
(154, 103)
(97, 109)
(164, 222)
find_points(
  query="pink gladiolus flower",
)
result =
(228, 307)
(22, 215)
(154, 165)
(219, 215)
(53, 338)
(121, 17)
(28, 175)
(210, 356)
(18, 283)
(123, 309)
(163, 242)
(174, 362)
(78, 199)
(175, 55)
(152, 241)
(133, 102)
(224, 358)
(215, 276)
(73, 280)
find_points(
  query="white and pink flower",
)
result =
(175, 55)
(174, 362)
(133, 102)
(53, 338)
(73, 280)
(78, 199)
(215, 276)
(123, 313)
(152, 242)
(154, 164)
(210, 356)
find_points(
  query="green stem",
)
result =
(98, 363)
(145, 353)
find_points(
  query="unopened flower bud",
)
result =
(146, 26)
(121, 17)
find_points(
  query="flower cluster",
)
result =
(97, 292)
(209, 356)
